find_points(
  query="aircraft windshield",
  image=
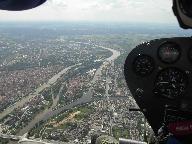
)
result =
(61, 68)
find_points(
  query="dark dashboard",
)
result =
(159, 76)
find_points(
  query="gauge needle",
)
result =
(163, 82)
(173, 86)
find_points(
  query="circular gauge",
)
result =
(171, 83)
(143, 65)
(169, 52)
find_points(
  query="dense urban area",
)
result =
(67, 85)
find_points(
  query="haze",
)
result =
(150, 11)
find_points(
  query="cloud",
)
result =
(57, 3)
(97, 10)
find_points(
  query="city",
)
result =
(67, 87)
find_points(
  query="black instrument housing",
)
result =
(142, 87)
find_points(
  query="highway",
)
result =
(21, 139)
(13, 137)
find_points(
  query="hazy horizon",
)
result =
(93, 23)
(142, 11)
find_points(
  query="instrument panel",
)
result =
(162, 70)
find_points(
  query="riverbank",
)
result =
(87, 97)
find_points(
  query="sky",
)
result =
(148, 11)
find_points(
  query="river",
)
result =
(86, 98)
(48, 113)
(37, 91)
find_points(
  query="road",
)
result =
(13, 137)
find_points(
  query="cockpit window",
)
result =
(61, 68)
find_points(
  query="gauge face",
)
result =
(171, 83)
(169, 52)
(143, 65)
